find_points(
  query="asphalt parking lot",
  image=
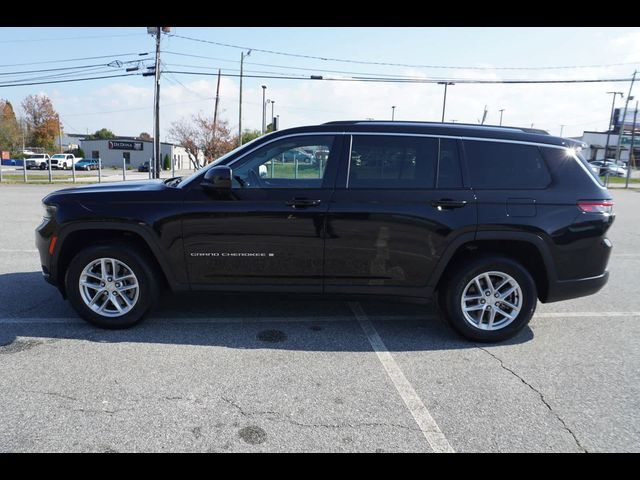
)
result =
(224, 373)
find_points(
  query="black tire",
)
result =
(464, 272)
(142, 268)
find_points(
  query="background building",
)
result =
(134, 151)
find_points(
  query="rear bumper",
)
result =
(566, 289)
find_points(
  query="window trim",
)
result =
(342, 134)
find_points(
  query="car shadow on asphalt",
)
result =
(29, 307)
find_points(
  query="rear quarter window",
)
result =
(500, 165)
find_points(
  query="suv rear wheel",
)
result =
(111, 286)
(489, 299)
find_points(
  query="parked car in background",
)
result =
(37, 160)
(63, 160)
(144, 167)
(610, 167)
(87, 164)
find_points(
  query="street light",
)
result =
(501, 110)
(444, 102)
(393, 112)
(264, 110)
(273, 126)
(242, 55)
(613, 104)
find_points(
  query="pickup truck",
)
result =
(37, 160)
(63, 160)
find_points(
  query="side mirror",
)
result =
(217, 178)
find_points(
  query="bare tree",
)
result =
(201, 139)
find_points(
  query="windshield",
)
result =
(59, 155)
(36, 156)
(197, 173)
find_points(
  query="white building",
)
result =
(134, 151)
(597, 142)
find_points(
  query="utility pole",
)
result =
(156, 126)
(215, 110)
(484, 115)
(59, 135)
(613, 104)
(444, 101)
(393, 113)
(631, 155)
(242, 55)
(501, 110)
(264, 110)
(624, 114)
(561, 129)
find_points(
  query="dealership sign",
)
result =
(118, 145)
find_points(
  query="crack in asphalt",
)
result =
(544, 400)
(282, 418)
(54, 394)
(74, 399)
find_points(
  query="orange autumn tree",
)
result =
(41, 121)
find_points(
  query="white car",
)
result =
(63, 160)
(36, 160)
(612, 168)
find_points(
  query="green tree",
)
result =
(248, 135)
(77, 152)
(167, 162)
(9, 129)
(42, 121)
(144, 136)
(101, 134)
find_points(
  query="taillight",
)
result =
(596, 206)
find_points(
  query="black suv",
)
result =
(487, 219)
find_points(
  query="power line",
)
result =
(316, 70)
(90, 71)
(49, 39)
(363, 62)
(403, 80)
(68, 80)
(63, 68)
(140, 54)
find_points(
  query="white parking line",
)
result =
(585, 314)
(210, 320)
(421, 415)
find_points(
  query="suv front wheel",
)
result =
(489, 299)
(111, 285)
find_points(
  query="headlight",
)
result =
(49, 211)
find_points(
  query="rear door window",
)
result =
(501, 165)
(381, 161)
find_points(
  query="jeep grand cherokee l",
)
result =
(489, 220)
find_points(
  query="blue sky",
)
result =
(125, 105)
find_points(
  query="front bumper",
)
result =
(44, 233)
